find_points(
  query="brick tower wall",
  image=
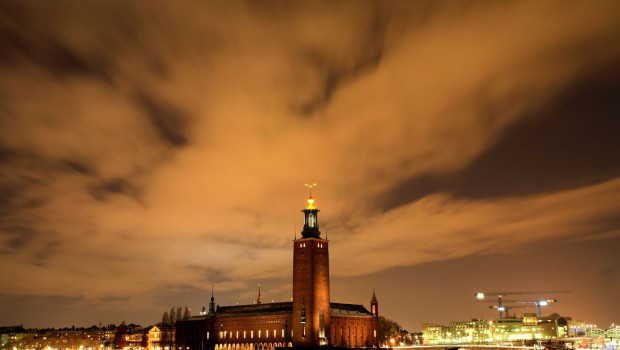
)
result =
(311, 288)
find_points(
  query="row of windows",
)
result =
(355, 331)
(264, 320)
(303, 245)
(229, 335)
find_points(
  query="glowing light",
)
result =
(480, 295)
(310, 199)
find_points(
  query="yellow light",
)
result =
(310, 203)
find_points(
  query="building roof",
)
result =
(254, 309)
(338, 309)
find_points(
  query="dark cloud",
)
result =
(102, 190)
(569, 143)
(368, 56)
(169, 121)
(50, 247)
(21, 41)
(17, 236)
(114, 298)
(211, 275)
(79, 167)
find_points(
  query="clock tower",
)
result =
(310, 282)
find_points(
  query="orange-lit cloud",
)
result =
(148, 151)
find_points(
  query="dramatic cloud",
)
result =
(148, 151)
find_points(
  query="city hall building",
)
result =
(311, 319)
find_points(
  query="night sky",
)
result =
(149, 150)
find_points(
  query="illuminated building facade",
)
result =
(510, 329)
(309, 320)
(472, 332)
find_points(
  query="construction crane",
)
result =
(506, 308)
(538, 303)
(485, 297)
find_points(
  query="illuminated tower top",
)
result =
(311, 222)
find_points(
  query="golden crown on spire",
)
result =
(310, 200)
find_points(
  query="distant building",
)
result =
(160, 337)
(529, 327)
(434, 333)
(509, 329)
(310, 320)
(472, 332)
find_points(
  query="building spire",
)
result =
(259, 300)
(212, 303)
(374, 304)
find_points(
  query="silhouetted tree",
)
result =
(165, 319)
(179, 316)
(144, 342)
(173, 316)
(119, 337)
(388, 328)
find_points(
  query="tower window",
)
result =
(311, 220)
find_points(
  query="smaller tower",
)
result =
(212, 304)
(259, 300)
(374, 304)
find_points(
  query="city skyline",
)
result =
(150, 151)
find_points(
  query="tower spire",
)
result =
(374, 303)
(259, 300)
(212, 303)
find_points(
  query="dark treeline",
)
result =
(16, 329)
